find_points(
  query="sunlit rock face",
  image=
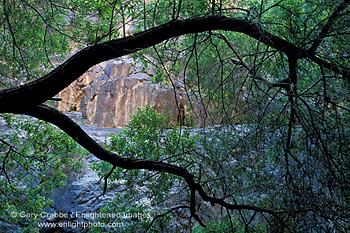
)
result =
(72, 95)
(110, 92)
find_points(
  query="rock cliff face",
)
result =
(108, 93)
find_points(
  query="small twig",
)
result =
(164, 214)
(105, 185)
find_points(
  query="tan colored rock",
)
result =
(72, 95)
(110, 92)
(116, 99)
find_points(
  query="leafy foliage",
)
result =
(284, 115)
(147, 137)
(25, 191)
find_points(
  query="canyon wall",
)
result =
(110, 92)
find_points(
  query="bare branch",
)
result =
(164, 214)
(328, 25)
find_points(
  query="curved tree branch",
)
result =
(59, 119)
(28, 99)
(44, 88)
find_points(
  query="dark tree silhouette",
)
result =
(296, 55)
